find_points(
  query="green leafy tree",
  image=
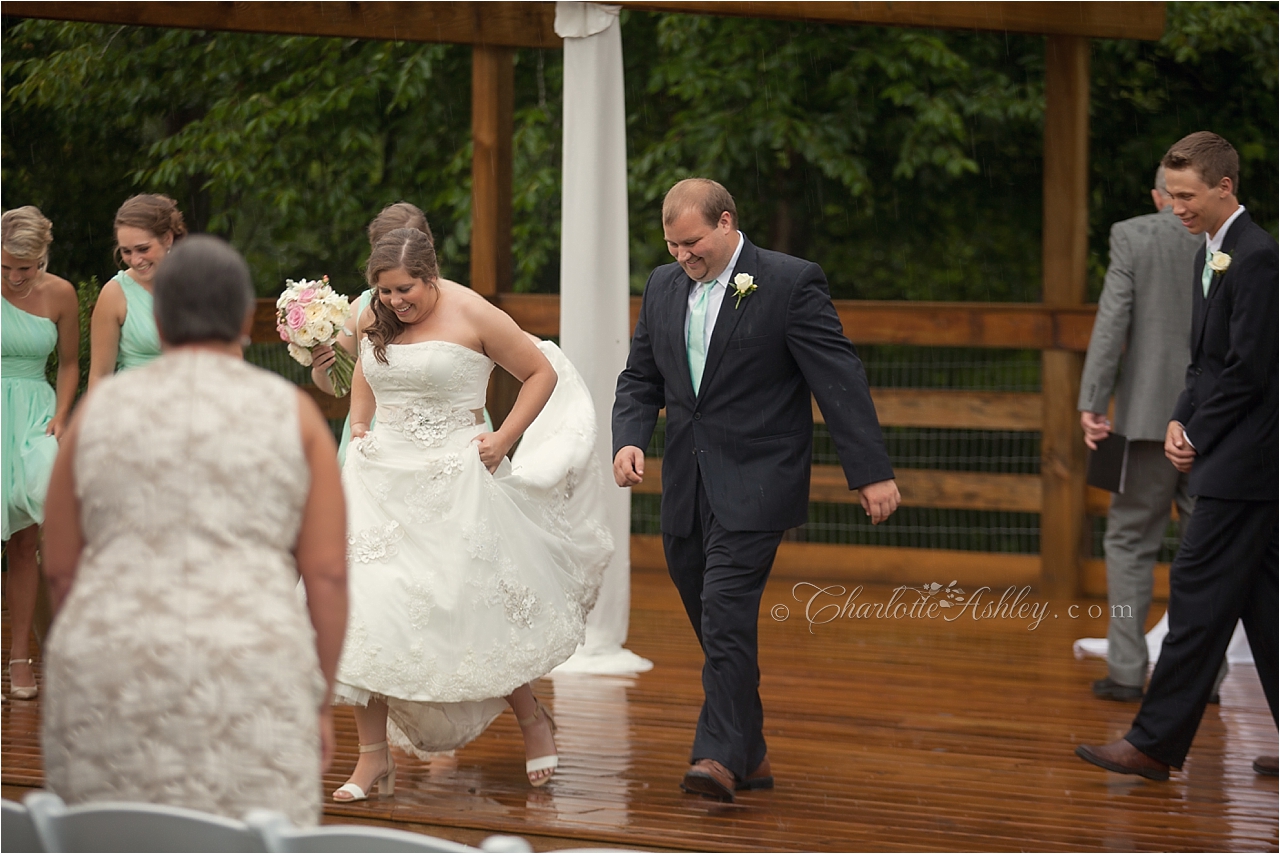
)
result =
(906, 161)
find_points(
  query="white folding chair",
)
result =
(130, 827)
(501, 844)
(17, 830)
(279, 834)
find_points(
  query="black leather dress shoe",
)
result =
(1109, 689)
(1268, 766)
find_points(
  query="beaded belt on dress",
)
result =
(428, 421)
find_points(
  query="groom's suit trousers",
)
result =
(721, 576)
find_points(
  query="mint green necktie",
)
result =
(1206, 275)
(697, 342)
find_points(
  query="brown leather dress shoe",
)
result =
(761, 778)
(1267, 766)
(1123, 758)
(710, 779)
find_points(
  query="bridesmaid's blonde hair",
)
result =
(405, 249)
(26, 233)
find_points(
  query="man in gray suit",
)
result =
(1142, 329)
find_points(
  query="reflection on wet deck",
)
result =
(885, 734)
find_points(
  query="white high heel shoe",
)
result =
(540, 763)
(386, 783)
(22, 692)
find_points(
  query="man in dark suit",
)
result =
(1224, 433)
(732, 340)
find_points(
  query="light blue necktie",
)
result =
(1206, 275)
(697, 342)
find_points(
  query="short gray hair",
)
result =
(202, 292)
(1160, 186)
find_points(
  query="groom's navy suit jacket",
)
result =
(749, 432)
(1229, 405)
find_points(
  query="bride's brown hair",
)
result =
(402, 249)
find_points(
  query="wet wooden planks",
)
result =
(886, 733)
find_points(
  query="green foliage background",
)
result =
(907, 162)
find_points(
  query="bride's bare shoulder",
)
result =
(466, 300)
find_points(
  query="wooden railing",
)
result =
(1014, 326)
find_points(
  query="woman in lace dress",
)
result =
(187, 498)
(471, 575)
(122, 334)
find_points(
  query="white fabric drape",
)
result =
(1238, 652)
(594, 295)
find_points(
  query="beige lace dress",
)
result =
(182, 666)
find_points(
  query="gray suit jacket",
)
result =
(1143, 327)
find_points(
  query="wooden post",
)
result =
(1065, 248)
(492, 125)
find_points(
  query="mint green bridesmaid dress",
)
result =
(28, 406)
(139, 339)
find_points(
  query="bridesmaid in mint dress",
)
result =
(398, 215)
(39, 314)
(123, 332)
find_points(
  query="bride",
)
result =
(470, 574)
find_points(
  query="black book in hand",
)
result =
(1108, 465)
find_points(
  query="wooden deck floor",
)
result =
(908, 734)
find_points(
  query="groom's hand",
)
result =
(628, 466)
(879, 499)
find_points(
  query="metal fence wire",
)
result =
(1003, 451)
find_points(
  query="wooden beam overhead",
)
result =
(490, 24)
(1120, 20)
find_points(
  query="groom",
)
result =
(732, 340)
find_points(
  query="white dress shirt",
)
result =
(714, 299)
(1214, 244)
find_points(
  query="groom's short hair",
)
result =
(707, 197)
(1211, 156)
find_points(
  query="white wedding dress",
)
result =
(464, 585)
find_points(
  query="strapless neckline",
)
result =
(440, 341)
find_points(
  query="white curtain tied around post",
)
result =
(594, 292)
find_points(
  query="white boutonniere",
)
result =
(1219, 262)
(743, 285)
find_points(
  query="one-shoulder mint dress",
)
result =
(28, 406)
(139, 338)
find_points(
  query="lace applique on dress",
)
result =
(420, 602)
(519, 603)
(427, 421)
(430, 495)
(377, 543)
(482, 543)
(369, 446)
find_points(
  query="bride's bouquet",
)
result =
(309, 314)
